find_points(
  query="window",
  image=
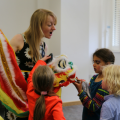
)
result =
(111, 27)
(116, 26)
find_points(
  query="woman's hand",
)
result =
(46, 57)
(78, 85)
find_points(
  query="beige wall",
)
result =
(15, 16)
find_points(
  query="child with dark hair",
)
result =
(92, 105)
(43, 103)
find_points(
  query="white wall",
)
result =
(15, 16)
(94, 31)
(75, 40)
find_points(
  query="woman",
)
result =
(29, 47)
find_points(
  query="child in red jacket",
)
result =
(43, 103)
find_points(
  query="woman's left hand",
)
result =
(46, 57)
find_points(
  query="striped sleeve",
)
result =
(95, 103)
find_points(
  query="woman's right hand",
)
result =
(46, 57)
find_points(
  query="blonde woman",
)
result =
(29, 47)
(111, 82)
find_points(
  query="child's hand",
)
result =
(46, 57)
(78, 85)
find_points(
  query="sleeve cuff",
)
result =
(80, 93)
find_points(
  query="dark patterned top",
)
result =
(92, 106)
(24, 59)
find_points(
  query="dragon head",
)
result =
(65, 72)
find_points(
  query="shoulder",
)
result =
(17, 37)
(111, 98)
(17, 42)
(54, 99)
(93, 78)
(110, 104)
(52, 102)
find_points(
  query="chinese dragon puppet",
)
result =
(13, 85)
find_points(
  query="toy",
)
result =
(65, 72)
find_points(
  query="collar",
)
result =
(37, 92)
(108, 97)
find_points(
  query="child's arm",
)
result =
(92, 104)
(95, 103)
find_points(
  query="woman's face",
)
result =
(48, 27)
(97, 64)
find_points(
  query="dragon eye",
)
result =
(62, 81)
(62, 64)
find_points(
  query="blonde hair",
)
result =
(111, 75)
(43, 78)
(34, 33)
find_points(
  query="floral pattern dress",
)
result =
(26, 64)
(24, 59)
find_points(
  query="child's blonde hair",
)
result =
(111, 75)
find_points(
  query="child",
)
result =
(92, 106)
(43, 103)
(111, 82)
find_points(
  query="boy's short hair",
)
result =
(111, 75)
